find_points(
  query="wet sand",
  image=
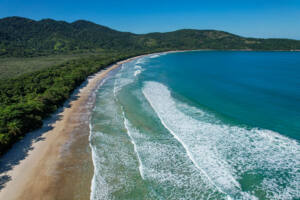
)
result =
(57, 162)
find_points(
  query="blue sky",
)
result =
(253, 18)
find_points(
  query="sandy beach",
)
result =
(55, 161)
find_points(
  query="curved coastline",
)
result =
(57, 163)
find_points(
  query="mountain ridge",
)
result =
(23, 37)
(27, 99)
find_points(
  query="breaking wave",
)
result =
(230, 156)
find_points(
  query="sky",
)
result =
(249, 18)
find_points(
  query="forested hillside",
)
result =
(26, 37)
(27, 99)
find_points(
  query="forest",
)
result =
(22, 37)
(28, 98)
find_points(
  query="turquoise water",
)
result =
(199, 125)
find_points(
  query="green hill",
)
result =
(77, 50)
(26, 37)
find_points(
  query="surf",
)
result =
(224, 154)
(159, 132)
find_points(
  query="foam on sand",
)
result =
(115, 163)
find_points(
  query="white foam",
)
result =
(129, 132)
(137, 72)
(159, 98)
(225, 153)
(165, 166)
(93, 183)
(94, 192)
(98, 179)
(123, 78)
(126, 75)
(140, 60)
(137, 67)
(155, 56)
(110, 149)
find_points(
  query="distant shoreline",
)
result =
(296, 50)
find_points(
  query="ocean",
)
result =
(199, 125)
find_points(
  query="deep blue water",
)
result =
(260, 89)
(199, 125)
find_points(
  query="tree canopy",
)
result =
(27, 99)
(26, 37)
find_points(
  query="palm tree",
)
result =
(13, 128)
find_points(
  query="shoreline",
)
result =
(242, 50)
(56, 160)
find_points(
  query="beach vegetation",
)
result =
(43, 62)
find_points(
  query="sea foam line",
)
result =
(137, 72)
(225, 151)
(93, 182)
(184, 146)
(126, 124)
(189, 133)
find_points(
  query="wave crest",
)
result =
(231, 156)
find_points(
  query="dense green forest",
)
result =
(25, 100)
(25, 37)
(29, 98)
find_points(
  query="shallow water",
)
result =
(199, 125)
